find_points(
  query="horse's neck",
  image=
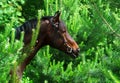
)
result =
(28, 59)
(27, 28)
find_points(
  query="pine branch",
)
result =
(105, 21)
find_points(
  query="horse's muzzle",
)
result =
(73, 52)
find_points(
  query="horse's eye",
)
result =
(62, 31)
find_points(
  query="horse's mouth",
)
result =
(73, 53)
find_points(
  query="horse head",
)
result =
(58, 37)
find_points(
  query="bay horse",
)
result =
(52, 32)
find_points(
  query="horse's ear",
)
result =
(56, 17)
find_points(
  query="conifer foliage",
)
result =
(94, 24)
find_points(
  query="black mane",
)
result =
(46, 17)
(29, 25)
